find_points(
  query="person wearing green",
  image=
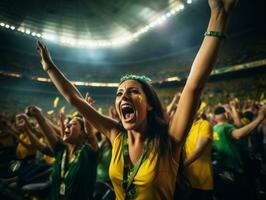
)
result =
(74, 171)
(103, 183)
(229, 177)
(226, 148)
(105, 153)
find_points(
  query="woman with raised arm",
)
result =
(74, 171)
(146, 148)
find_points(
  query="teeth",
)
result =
(126, 106)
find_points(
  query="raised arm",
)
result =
(69, 91)
(235, 114)
(171, 108)
(13, 130)
(56, 128)
(31, 133)
(90, 131)
(48, 131)
(201, 69)
(245, 130)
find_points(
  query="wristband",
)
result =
(215, 34)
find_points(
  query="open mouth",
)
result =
(128, 112)
(67, 133)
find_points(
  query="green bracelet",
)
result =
(215, 34)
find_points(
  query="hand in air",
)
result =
(46, 59)
(222, 5)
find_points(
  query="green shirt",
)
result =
(105, 154)
(80, 174)
(226, 148)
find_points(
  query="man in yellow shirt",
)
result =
(197, 160)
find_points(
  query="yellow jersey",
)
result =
(48, 159)
(155, 179)
(23, 152)
(199, 173)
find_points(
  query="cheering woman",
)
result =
(146, 148)
(74, 171)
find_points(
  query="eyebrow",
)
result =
(128, 88)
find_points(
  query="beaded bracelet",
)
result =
(215, 34)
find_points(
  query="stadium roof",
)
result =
(101, 20)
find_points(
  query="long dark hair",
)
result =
(157, 121)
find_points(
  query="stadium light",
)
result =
(27, 31)
(113, 42)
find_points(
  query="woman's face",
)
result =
(131, 105)
(72, 131)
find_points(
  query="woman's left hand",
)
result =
(222, 5)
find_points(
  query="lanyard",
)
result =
(129, 174)
(64, 173)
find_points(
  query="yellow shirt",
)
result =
(23, 152)
(47, 159)
(151, 182)
(244, 121)
(199, 173)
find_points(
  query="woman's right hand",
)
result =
(46, 59)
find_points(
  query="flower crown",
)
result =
(143, 78)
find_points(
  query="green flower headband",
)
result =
(143, 78)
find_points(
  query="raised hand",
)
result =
(33, 111)
(21, 120)
(227, 107)
(232, 103)
(46, 59)
(89, 99)
(89, 129)
(222, 5)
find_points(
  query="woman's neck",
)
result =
(136, 136)
(73, 147)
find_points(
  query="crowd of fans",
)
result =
(192, 149)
